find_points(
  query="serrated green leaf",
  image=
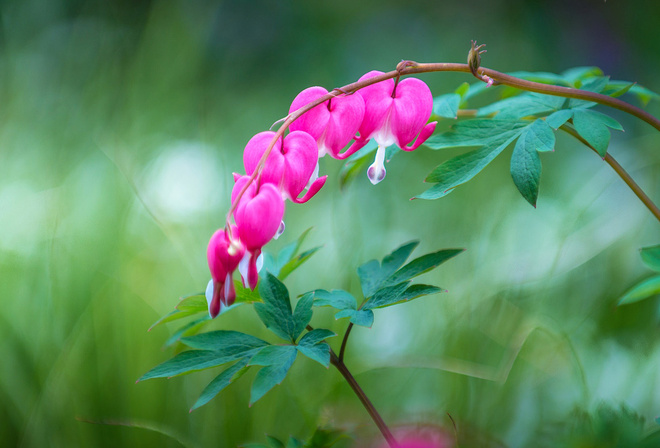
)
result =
(446, 105)
(296, 262)
(643, 290)
(559, 118)
(275, 311)
(476, 132)
(372, 274)
(422, 264)
(651, 257)
(303, 313)
(336, 298)
(221, 381)
(520, 106)
(190, 360)
(410, 293)
(460, 169)
(526, 170)
(277, 363)
(191, 326)
(386, 296)
(604, 119)
(225, 342)
(315, 336)
(364, 318)
(595, 84)
(592, 129)
(318, 352)
(538, 136)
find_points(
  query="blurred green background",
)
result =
(121, 123)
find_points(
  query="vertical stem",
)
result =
(378, 420)
(343, 342)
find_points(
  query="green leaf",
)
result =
(225, 342)
(277, 360)
(275, 311)
(520, 106)
(220, 382)
(364, 318)
(296, 262)
(595, 84)
(294, 443)
(195, 325)
(462, 90)
(315, 336)
(171, 317)
(303, 314)
(447, 105)
(476, 132)
(575, 74)
(526, 169)
(641, 291)
(245, 295)
(325, 438)
(617, 88)
(386, 296)
(460, 169)
(196, 303)
(591, 127)
(557, 119)
(651, 257)
(410, 293)
(189, 361)
(372, 274)
(312, 346)
(538, 136)
(274, 442)
(286, 256)
(422, 264)
(336, 298)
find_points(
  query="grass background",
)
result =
(120, 125)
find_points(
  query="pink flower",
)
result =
(332, 123)
(258, 217)
(289, 166)
(394, 114)
(223, 254)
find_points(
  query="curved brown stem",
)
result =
(375, 416)
(410, 68)
(623, 174)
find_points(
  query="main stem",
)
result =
(378, 420)
(410, 67)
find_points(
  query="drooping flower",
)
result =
(394, 114)
(289, 166)
(223, 253)
(333, 123)
(258, 217)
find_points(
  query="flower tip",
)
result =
(376, 175)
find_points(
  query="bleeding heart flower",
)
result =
(289, 166)
(332, 123)
(394, 114)
(224, 254)
(258, 217)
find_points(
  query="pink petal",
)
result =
(346, 115)
(259, 218)
(377, 101)
(411, 110)
(313, 189)
(425, 133)
(315, 120)
(255, 148)
(300, 158)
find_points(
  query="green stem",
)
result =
(623, 174)
(378, 420)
